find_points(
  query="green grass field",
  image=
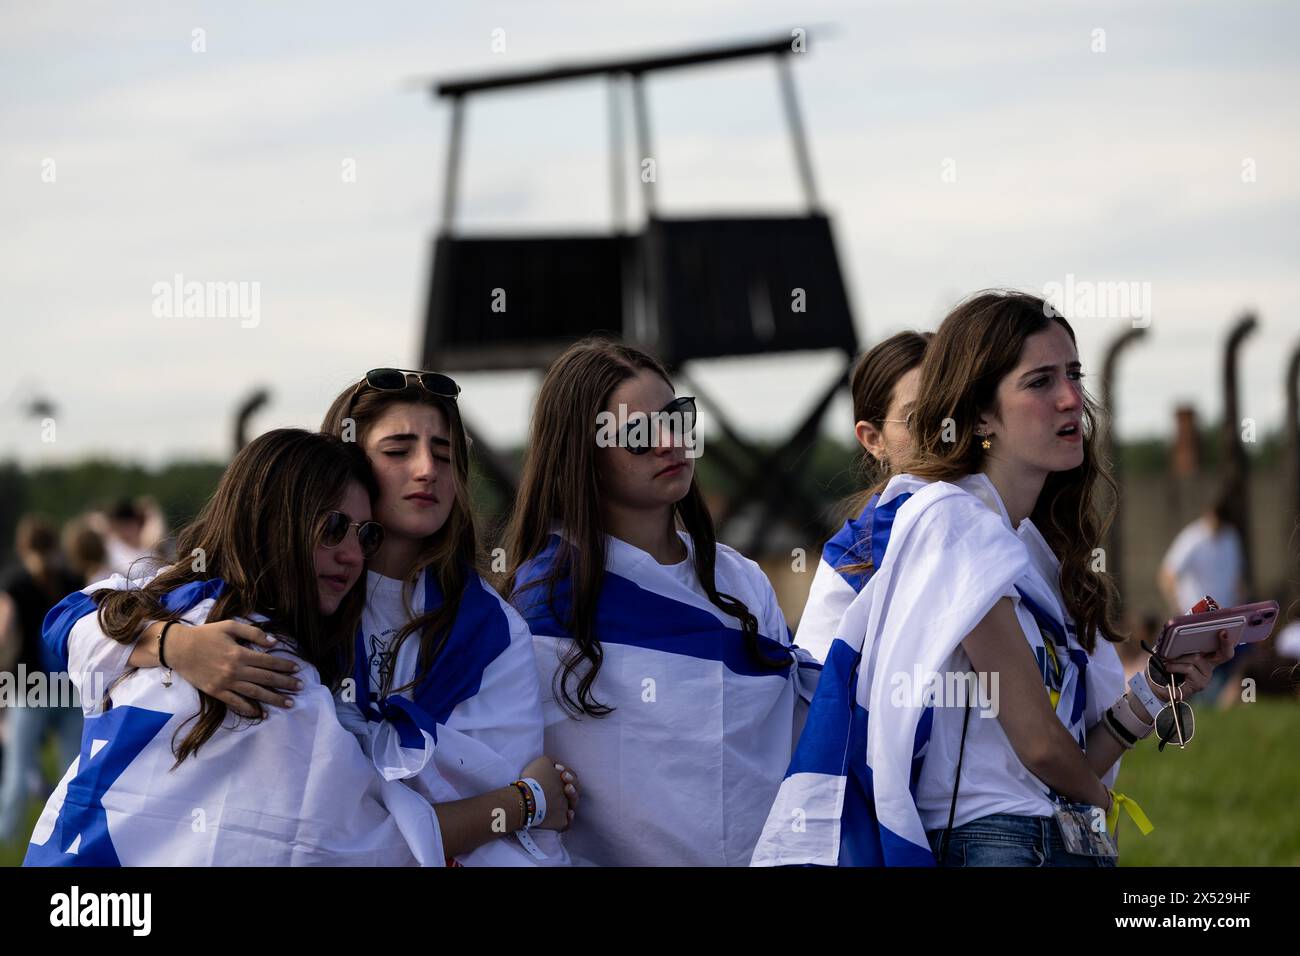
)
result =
(1228, 800)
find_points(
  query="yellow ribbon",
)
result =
(1131, 807)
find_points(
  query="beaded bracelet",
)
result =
(530, 804)
(523, 807)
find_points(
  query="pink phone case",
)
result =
(1198, 633)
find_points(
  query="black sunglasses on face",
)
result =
(370, 534)
(680, 421)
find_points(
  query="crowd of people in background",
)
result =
(48, 563)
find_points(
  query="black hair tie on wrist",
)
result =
(162, 660)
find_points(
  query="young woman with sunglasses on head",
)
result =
(447, 687)
(167, 774)
(883, 385)
(988, 569)
(444, 692)
(665, 661)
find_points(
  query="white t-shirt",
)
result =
(683, 772)
(1288, 640)
(1204, 563)
(484, 741)
(993, 779)
(380, 621)
(126, 560)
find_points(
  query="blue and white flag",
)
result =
(683, 770)
(839, 578)
(293, 789)
(849, 797)
(472, 724)
(107, 658)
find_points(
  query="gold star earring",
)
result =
(987, 443)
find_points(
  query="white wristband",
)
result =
(1141, 689)
(539, 797)
(529, 844)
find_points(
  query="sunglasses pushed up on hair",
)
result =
(370, 534)
(396, 380)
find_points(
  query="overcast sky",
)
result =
(956, 146)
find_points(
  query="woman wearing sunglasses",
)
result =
(446, 685)
(989, 571)
(168, 775)
(883, 385)
(443, 693)
(666, 667)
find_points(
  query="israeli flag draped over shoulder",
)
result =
(472, 724)
(683, 770)
(293, 789)
(841, 574)
(945, 554)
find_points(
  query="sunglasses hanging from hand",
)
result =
(1175, 723)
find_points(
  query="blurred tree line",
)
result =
(833, 468)
(63, 492)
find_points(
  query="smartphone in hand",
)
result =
(1198, 632)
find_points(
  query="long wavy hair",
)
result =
(872, 386)
(560, 487)
(976, 347)
(450, 554)
(258, 533)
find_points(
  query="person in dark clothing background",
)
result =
(27, 592)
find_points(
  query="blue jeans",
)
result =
(1006, 839)
(28, 727)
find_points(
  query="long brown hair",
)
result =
(561, 487)
(872, 385)
(979, 344)
(258, 534)
(451, 553)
